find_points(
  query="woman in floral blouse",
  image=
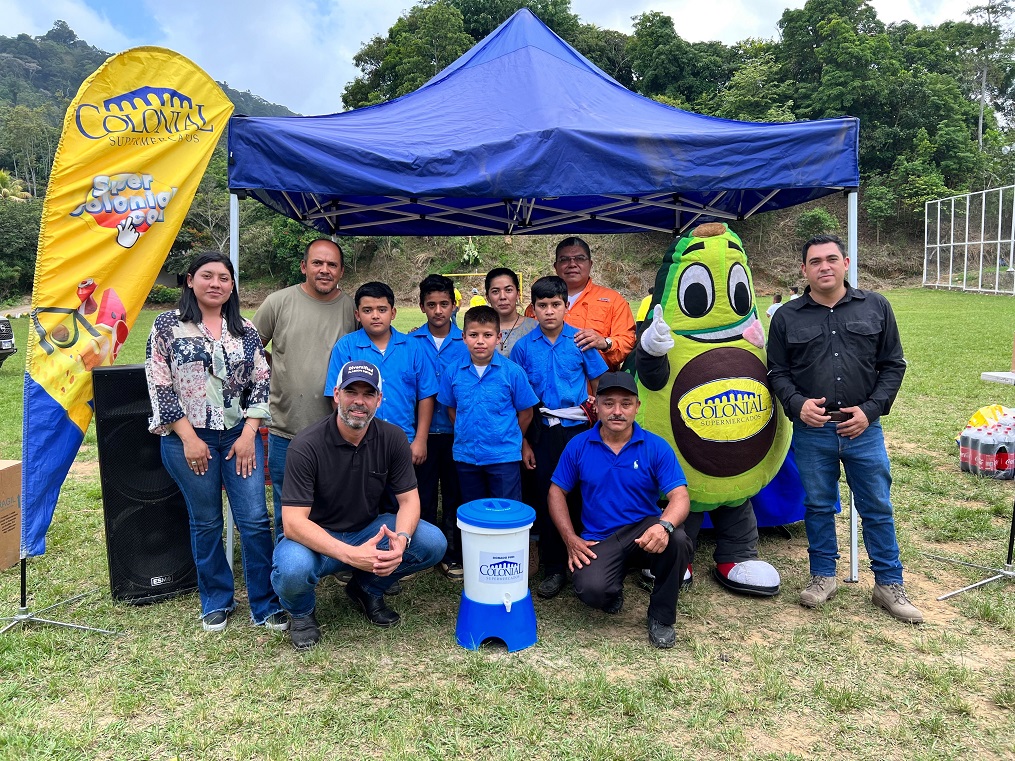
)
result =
(208, 381)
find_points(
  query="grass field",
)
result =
(752, 679)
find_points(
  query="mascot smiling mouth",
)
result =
(749, 329)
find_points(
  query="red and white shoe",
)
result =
(750, 577)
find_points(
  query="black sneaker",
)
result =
(277, 622)
(551, 586)
(216, 621)
(453, 571)
(616, 606)
(661, 635)
(304, 631)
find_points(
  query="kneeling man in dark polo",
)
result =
(623, 471)
(336, 474)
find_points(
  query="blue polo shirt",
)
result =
(559, 372)
(618, 489)
(406, 374)
(486, 409)
(452, 349)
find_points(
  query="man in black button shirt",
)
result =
(336, 473)
(835, 362)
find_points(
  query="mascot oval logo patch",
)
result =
(727, 409)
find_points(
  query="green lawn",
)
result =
(754, 679)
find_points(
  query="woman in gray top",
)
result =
(502, 293)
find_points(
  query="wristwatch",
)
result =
(408, 539)
(609, 343)
(667, 525)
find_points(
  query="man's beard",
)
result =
(355, 423)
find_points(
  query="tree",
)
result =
(879, 204)
(754, 92)
(11, 188)
(419, 45)
(19, 231)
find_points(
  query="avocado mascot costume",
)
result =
(702, 377)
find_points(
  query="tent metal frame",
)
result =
(515, 216)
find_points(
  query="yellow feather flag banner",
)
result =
(136, 141)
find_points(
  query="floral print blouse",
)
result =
(215, 383)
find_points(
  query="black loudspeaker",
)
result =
(147, 527)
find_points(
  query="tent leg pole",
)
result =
(851, 252)
(234, 257)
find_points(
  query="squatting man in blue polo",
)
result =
(622, 471)
(336, 474)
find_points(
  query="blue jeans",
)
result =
(203, 495)
(818, 454)
(298, 569)
(277, 448)
(500, 481)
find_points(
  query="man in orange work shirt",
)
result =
(603, 317)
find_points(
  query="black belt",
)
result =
(839, 417)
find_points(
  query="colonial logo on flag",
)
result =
(136, 141)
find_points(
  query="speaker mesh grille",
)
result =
(147, 528)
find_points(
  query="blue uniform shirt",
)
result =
(406, 374)
(618, 489)
(450, 352)
(559, 372)
(486, 409)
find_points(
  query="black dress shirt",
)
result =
(342, 484)
(850, 353)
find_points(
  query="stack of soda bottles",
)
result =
(989, 450)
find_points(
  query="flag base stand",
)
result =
(25, 616)
(1006, 572)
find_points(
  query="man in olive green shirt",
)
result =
(302, 322)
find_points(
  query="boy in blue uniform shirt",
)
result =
(480, 391)
(561, 374)
(409, 380)
(441, 341)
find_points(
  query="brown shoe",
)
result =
(819, 590)
(892, 598)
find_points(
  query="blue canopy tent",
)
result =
(524, 135)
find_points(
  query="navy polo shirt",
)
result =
(406, 374)
(486, 409)
(452, 349)
(618, 489)
(559, 372)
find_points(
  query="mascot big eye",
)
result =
(702, 377)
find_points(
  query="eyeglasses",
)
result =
(580, 259)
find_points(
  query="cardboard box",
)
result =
(10, 513)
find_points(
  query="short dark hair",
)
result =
(341, 254)
(777, 298)
(436, 284)
(190, 310)
(548, 287)
(571, 242)
(817, 240)
(497, 272)
(482, 315)
(794, 289)
(375, 290)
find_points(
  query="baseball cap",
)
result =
(624, 381)
(354, 371)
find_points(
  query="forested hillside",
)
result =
(935, 104)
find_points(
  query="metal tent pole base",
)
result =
(1007, 572)
(25, 616)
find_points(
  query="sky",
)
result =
(299, 52)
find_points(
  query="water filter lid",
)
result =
(496, 513)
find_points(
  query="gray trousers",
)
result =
(736, 531)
